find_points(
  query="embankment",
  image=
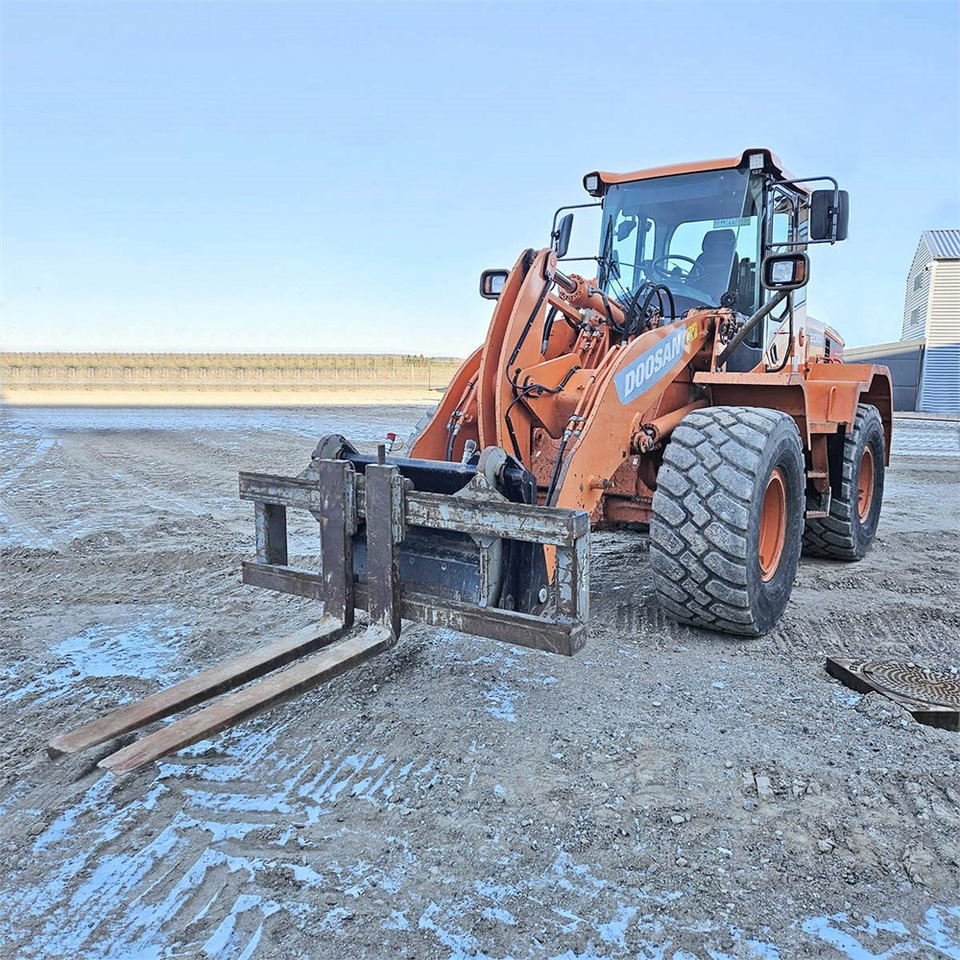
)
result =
(200, 379)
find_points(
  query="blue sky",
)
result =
(333, 177)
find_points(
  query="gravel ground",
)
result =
(667, 793)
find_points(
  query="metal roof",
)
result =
(876, 349)
(943, 244)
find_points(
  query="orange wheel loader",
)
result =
(678, 383)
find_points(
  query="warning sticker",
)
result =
(732, 222)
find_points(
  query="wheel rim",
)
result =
(865, 489)
(773, 524)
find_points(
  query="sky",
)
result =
(325, 177)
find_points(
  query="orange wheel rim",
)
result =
(865, 485)
(773, 524)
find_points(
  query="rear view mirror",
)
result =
(492, 283)
(822, 213)
(560, 239)
(785, 271)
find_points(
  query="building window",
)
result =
(918, 281)
(916, 315)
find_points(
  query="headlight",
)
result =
(593, 185)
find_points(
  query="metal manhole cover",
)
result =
(932, 695)
(914, 682)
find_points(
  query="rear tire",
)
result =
(849, 530)
(728, 519)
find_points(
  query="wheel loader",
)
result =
(675, 382)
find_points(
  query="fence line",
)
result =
(221, 371)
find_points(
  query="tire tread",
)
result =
(699, 534)
(834, 536)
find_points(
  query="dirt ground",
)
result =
(668, 793)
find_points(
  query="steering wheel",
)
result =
(693, 272)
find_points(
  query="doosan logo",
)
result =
(649, 367)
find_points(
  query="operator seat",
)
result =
(717, 263)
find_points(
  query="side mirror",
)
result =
(560, 238)
(785, 271)
(492, 283)
(822, 213)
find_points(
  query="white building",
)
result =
(931, 313)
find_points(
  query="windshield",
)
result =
(697, 233)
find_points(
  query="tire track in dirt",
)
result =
(20, 458)
(168, 877)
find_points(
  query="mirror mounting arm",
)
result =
(837, 211)
(557, 231)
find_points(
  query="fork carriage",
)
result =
(479, 571)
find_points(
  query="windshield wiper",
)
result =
(605, 251)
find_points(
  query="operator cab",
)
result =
(698, 232)
(703, 231)
(722, 233)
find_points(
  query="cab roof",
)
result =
(771, 164)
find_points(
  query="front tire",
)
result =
(848, 532)
(727, 520)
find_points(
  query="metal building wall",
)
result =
(925, 364)
(940, 390)
(905, 360)
(917, 297)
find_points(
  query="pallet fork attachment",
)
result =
(381, 501)
(373, 508)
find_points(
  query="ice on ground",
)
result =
(148, 649)
(363, 424)
(97, 902)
